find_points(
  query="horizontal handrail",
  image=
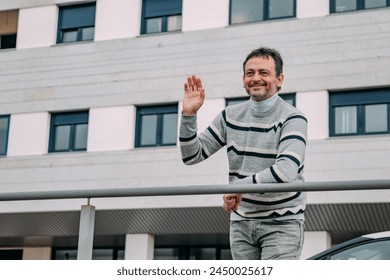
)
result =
(198, 190)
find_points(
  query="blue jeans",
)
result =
(268, 239)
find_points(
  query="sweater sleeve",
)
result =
(196, 148)
(289, 162)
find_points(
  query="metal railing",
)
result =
(87, 215)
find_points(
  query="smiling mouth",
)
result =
(256, 85)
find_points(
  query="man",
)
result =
(266, 141)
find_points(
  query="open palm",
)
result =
(193, 95)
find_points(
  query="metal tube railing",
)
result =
(87, 214)
(199, 190)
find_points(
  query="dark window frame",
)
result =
(67, 118)
(164, 17)
(360, 5)
(360, 99)
(60, 29)
(7, 117)
(266, 17)
(158, 110)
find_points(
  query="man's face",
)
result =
(260, 80)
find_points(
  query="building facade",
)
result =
(90, 98)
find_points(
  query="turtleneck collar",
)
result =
(263, 106)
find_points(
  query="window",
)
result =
(4, 127)
(289, 98)
(8, 28)
(76, 23)
(338, 6)
(359, 112)
(156, 126)
(161, 16)
(114, 253)
(193, 253)
(68, 132)
(242, 11)
(11, 254)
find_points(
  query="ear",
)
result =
(280, 80)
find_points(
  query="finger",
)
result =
(227, 208)
(186, 90)
(198, 82)
(190, 84)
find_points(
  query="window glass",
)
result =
(81, 136)
(4, 121)
(153, 25)
(376, 118)
(174, 23)
(226, 254)
(246, 11)
(149, 130)
(346, 120)
(62, 138)
(8, 41)
(166, 253)
(375, 3)
(69, 36)
(281, 8)
(346, 5)
(203, 253)
(87, 33)
(169, 128)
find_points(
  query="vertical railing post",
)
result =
(86, 232)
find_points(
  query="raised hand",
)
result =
(193, 95)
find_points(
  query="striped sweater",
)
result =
(262, 147)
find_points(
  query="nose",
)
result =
(256, 77)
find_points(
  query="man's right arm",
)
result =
(196, 148)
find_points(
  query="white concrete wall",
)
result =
(207, 113)
(312, 8)
(29, 134)
(315, 242)
(111, 128)
(139, 247)
(37, 27)
(205, 14)
(117, 19)
(315, 105)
